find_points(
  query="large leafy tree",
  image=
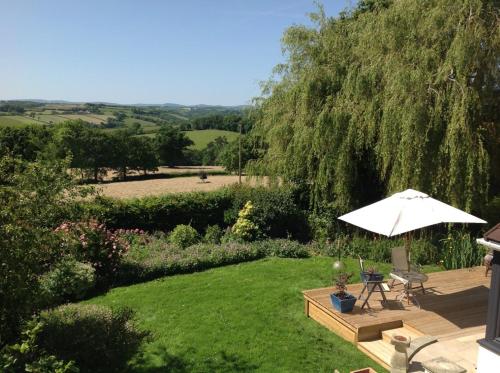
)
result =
(391, 95)
(27, 142)
(88, 146)
(171, 144)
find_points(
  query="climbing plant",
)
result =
(387, 96)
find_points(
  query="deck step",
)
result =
(405, 331)
(379, 350)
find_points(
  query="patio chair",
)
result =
(406, 273)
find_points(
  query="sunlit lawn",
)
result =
(243, 317)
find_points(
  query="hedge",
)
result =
(161, 213)
(277, 210)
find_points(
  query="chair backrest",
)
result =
(399, 258)
(361, 266)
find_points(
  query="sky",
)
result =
(188, 52)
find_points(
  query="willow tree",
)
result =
(391, 95)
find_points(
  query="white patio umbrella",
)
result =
(405, 212)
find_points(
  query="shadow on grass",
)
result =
(160, 360)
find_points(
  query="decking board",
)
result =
(455, 304)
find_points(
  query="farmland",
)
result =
(145, 121)
(16, 121)
(202, 137)
(143, 188)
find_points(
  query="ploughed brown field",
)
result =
(142, 188)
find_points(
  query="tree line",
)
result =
(227, 122)
(93, 150)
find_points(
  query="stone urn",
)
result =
(399, 359)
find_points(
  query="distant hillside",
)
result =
(141, 119)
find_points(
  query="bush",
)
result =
(323, 224)
(160, 213)
(277, 211)
(97, 338)
(461, 251)
(213, 234)
(69, 280)
(159, 258)
(184, 236)
(283, 248)
(245, 228)
(27, 356)
(424, 251)
(93, 243)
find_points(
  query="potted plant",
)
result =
(341, 300)
(371, 274)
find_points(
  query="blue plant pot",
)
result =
(365, 276)
(345, 304)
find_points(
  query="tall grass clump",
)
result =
(460, 250)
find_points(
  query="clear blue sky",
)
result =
(145, 51)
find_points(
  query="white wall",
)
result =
(487, 361)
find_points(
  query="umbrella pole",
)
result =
(408, 249)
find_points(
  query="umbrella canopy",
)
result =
(404, 212)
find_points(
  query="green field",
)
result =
(245, 317)
(201, 138)
(16, 121)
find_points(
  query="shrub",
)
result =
(277, 210)
(213, 234)
(244, 227)
(184, 236)
(283, 248)
(93, 243)
(27, 356)
(97, 338)
(376, 249)
(424, 251)
(323, 224)
(460, 251)
(33, 198)
(160, 213)
(69, 280)
(159, 258)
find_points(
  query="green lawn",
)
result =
(246, 317)
(202, 137)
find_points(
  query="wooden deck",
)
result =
(454, 306)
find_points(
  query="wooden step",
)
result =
(378, 350)
(405, 331)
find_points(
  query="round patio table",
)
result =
(408, 278)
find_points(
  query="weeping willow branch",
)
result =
(366, 105)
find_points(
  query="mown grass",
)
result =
(201, 138)
(245, 317)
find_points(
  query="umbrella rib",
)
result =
(395, 223)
